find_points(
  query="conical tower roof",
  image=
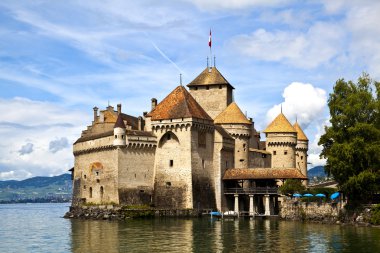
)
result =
(209, 76)
(232, 115)
(280, 125)
(119, 122)
(178, 104)
(300, 134)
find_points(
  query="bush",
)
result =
(375, 216)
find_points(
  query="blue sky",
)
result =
(58, 59)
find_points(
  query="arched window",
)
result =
(90, 192)
(101, 192)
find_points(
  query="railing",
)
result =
(253, 190)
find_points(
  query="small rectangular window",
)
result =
(301, 157)
(285, 152)
(203, 163)
(168, 184)
(274, 152)
(171, 163)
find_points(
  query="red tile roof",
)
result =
(178, 104)
(262, 173)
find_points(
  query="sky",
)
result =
(59, 59)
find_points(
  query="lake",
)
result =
(41, 228)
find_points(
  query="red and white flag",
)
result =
(209, 40)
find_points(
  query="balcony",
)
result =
(253, 190)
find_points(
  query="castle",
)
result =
(195, 149)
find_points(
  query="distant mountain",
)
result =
(37, 189)
(318, 171)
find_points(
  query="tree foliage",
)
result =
(351, 144)
(292, 186)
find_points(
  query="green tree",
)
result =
(351, 144)
(292, 186)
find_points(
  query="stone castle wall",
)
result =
(282, 147)
(213, 98)
(136, 175)
(202, 168)
(173, 178)
(96, 184)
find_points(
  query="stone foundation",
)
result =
(310, 211)
(111, 212)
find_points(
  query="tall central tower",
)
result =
(212, 91)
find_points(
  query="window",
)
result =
(241, 160)
(264, 156)
(244, 146)
(101, 192)
(285, 152)
(301, 157)
(171, 163)
(169, 136)
(98, 180)
(115, 136)
(97, 173)
(84, 187)
(203, 163)
(90, 193)
(220, 86)
(168, 184)
(274, 152)
(122, 136)
(84, 176)
(207, 88)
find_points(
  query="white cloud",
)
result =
(308, 104)
(37, 124)
(318, 45)
(302, 101)
(26, 149)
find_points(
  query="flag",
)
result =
(209, 40)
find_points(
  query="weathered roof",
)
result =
(262, 173)
(119, 122)
(280, 125)
(223, 132)
(300, 134)
(110, 133)
(260, 151)
(232, 115)
(209, 76)
(178, 104)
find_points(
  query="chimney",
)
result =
(154, 103)
(139, 124)
(118, 109)
(95, 113)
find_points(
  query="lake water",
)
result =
(40, 228)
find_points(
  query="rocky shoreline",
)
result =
(110, 212)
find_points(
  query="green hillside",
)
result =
(37, 189)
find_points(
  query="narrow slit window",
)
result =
(171, 163)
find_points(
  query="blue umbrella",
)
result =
(320, 195)
(297, 195)
(334, 195)
(308, 195)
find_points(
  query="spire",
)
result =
(180, 79)
(214, 60)
(207, 62)
(281, 107)
(280, 125)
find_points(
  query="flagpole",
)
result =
(210, 45)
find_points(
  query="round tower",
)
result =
(281, 141)
(119, 131)
(301, 149)
(239, 127)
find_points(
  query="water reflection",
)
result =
(206, 235)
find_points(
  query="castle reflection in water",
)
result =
(207, 235)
